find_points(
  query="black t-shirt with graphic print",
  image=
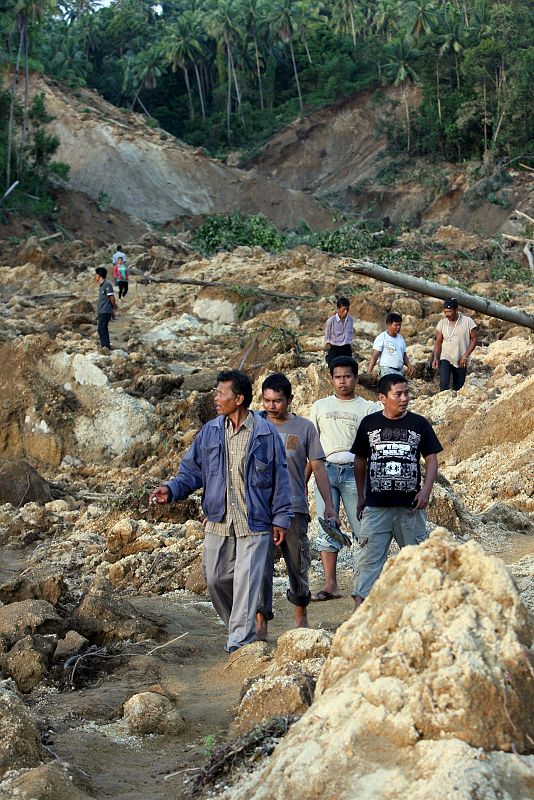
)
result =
(393, 448)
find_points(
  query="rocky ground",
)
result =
(116, 684)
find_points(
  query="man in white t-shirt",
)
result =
(390, 347)
(455, 341)
(337, 419)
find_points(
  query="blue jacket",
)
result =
(267, 492)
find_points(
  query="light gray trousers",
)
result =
(233, 569)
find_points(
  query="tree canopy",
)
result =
(226, 74)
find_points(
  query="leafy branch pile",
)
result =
(241, 753)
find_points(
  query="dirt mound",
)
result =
(438, 651)
(114, 155)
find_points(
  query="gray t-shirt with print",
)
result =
(302, 444)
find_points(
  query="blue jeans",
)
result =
(343, 486)
(446, 372)
(103, 332)
(379, 526)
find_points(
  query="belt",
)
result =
(339, 463)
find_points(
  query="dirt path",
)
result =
(87, 729)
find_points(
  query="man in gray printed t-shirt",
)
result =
(302, 446)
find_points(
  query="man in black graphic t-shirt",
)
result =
(387, 450)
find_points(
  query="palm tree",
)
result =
(386, 18)
(451, 42)
(24, 14)
(401, 73)
(142, 71)
(284, 21)
(181, 48)
(223, 22)
(346, 17)
(422, 16)
(254, 19)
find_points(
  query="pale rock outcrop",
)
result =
(45, 782)
(288, 684)
(149, 712)
(433, 667)
(19, 737)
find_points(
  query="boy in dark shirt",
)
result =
(387, 450)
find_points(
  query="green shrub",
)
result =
(353, 240)
(227, 231)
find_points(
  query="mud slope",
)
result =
(151, 175)
(336, 153)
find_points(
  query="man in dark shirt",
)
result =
(391, 502)
(105, 307)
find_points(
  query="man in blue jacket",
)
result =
(239, 460)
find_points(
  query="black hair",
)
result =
(102, 271)
(278, 382)
(119, 247)
(343, 361)
(387, 381)
(393, 317)
(240, 384)
(343, 302)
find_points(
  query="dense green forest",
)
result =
(226, 74)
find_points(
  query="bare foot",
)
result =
(261, 627)
(301, 617)
(357, 601)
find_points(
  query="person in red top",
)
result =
(120, 273)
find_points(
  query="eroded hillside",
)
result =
(149, 174)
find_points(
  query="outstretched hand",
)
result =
(159, 496)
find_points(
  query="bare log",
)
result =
(254, 290)
(422, 286)
(515, 238)
(522, 214)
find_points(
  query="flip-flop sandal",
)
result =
(333, 530)
(323, 595)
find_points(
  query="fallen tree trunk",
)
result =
(411, 283)
(254, 290)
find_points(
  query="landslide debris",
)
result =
(104, 575)
(433, 667)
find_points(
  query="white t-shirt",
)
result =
(392, 349)
(337, 422)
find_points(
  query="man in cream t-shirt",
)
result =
(455, 341)
(337, 419)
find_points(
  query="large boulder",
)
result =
(28, 617)
(28, 660)
(20, 483)
(438, 651)
(45, 782)
(149, 712)
(102, 616)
